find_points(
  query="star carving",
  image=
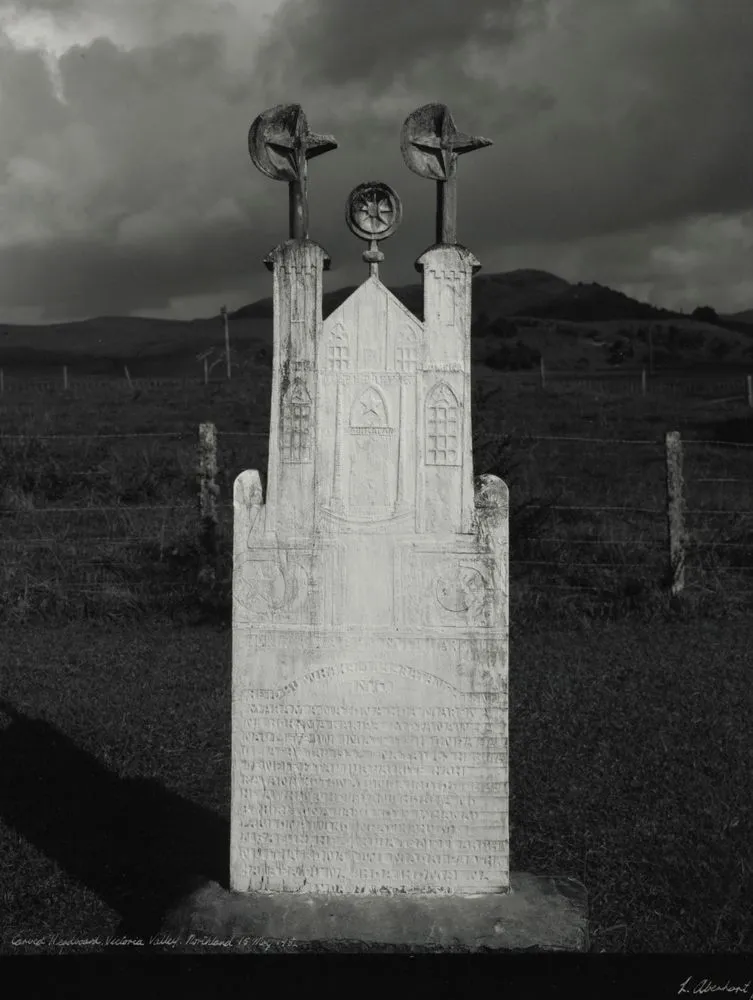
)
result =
(374, 214)
(373, 211)
(369, 414)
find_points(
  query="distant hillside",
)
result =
(524, 292)
(103, 345)
(746, 316)
(517, 316)
(411, 296)
(515, 293)
(589, 303)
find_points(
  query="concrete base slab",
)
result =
(538, 914)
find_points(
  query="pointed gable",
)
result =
(371, 329)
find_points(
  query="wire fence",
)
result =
(719, 388)
(79, 513)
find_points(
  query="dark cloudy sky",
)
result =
(622, 129)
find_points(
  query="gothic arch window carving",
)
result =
(443, 424)
(338, 350)
(296, 424)
(406, 351)
(369, 412)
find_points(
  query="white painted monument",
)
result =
(369, 801)
(370, 587)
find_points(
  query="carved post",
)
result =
(447, 272)
(280, 144)
(431, 145)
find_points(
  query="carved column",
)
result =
(447, 470)
(297, 266)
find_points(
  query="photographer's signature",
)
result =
(703, 986)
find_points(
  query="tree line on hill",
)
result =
(498, 344)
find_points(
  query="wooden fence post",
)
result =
(542, 372)
(2, 380)
(227, 340)
(65, 377)
(208, 491)
(643, 382)
(749, 381)
(675, 512)
(128, 377)
(206, 371)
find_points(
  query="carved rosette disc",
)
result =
(459, 592)
(373, 211)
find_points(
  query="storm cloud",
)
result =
(623, 143)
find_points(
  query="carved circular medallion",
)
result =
(373, 211)
(459, 591)
(266, 582)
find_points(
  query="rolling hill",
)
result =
(584, 325)
(514, 293)
(746, 316)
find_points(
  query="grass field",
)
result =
(630, 770)
(630, 756)
(97, 525)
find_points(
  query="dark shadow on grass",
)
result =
(135, 844)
